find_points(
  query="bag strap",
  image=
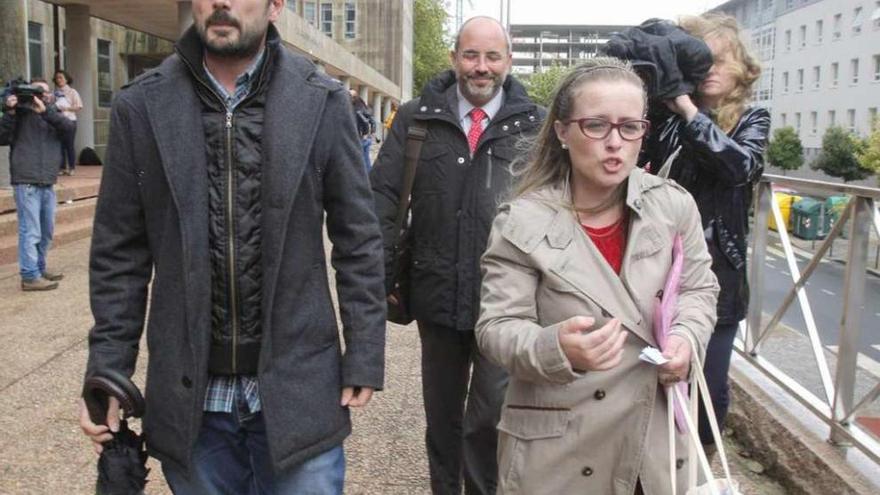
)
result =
(415, 137)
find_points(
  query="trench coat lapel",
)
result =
(293, 110)
(583, 267)
(173, 111)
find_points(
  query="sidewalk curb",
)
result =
(777, 436)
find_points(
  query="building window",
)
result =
(857, 21)
(803, 36)
(817, 75)
(814, 122)
(292, 6)
(797, 122)
(800, 80)
(872, 119)
(310, 12)
(876, 68)
(783, 118)
(785, 82)
(327, 18)
(851, 120)
(832, 118)
(789, 4)
(819, 27)
(35, 49)
(854, 69)
(788, 40)
(875, 17)
(350, 20)
(835, 72)
(836, 31)
(105, 74)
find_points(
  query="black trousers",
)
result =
(463, 393)
(715, 369)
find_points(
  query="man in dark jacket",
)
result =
(474, 116)
(216, 195)
(33, 129)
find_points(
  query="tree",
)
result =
(542, 85)
(838, 155)
(869, 155)
(785, 150)
(430, 44)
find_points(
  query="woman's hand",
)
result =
(678, 351)
(683, 106)
(591, 350)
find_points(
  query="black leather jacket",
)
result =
(719, 170)
(233, 146)
(455, 196)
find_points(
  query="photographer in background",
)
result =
(33, 128)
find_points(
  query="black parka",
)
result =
(455, 196)
(719, 169)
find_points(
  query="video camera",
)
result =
(24, 91)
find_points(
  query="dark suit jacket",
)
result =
(152, 223)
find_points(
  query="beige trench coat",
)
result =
(593, 433)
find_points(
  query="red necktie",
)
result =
(477, 116)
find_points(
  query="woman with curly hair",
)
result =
(722, 142)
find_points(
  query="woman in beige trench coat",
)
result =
(570, 279)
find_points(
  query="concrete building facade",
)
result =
(821, 61)
(366, 44)
(538, 46)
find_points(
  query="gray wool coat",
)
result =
(151, 225)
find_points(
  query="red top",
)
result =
(610, 241)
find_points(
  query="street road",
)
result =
(825, 293)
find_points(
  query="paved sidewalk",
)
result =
(42, 358)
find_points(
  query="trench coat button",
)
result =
(587, 471)
(599, 395)
(423, 109)
(186, 382)
(637, 204)
(461, 160)
(516, 124)
(505, 127)
(679, 463)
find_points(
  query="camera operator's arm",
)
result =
(53, 116)
(7, 122)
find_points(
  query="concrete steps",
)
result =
(77, 198)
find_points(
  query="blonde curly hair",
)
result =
(746, 68)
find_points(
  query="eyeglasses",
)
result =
(596, 128)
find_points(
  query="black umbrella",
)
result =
(122, 465)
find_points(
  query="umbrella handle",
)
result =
(106, 383)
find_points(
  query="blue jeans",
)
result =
(365, 144)
(231, 457)
(35, 206)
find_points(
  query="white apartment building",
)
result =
(821, 62)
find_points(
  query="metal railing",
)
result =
(838, 404)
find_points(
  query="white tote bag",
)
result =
(699, 390)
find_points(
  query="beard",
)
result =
(481, 93)
(245, 46)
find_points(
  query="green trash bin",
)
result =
(809, 219)
(835, 206)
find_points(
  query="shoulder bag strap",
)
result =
(415, 137)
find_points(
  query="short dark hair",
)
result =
(66, 75)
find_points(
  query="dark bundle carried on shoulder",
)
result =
(670, 61)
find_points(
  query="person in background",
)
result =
(366, 125)
(70, 103)
(474, 116)
(570, 279)
(33, 128)
(722, 142)
(390, 118)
